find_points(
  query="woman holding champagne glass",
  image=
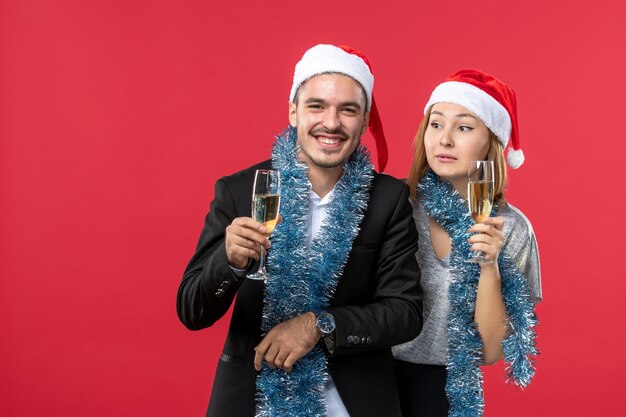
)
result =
(481, 280)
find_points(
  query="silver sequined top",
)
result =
(431, 347)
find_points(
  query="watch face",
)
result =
(326, 323)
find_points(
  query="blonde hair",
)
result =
(419, 165)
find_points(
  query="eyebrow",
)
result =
(344, 104)
(458, 115)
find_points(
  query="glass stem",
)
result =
(262, 261)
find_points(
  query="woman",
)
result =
(474, 314)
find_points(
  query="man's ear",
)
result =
(366, 123)
(292, 114)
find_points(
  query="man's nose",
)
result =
(331, 119)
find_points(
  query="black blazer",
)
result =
(377, 302)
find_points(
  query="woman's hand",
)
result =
(488, 238)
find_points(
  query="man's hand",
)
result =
(287, 342)
(243, 239)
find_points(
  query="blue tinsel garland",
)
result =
(464, 384)
(303, 280)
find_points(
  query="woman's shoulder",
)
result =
(516, 222)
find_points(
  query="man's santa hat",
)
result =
(488, 98)
(350, 62)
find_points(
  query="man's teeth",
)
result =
(328, 141)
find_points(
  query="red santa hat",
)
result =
(488, 98)
(350, 62)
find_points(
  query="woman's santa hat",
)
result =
(350, 62)
(488, 98)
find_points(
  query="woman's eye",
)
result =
(435, 125)
(466, 128)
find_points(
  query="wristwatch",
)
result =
(325, 323)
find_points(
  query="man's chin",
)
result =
(326, 160)
(327, 164)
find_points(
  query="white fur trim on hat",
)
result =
(328, 58)
(487, 108)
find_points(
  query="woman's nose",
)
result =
(446, 138)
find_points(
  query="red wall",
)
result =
(116, 118)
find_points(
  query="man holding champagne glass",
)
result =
(313, 337)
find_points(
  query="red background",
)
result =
(117, 117)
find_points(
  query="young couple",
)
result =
(370, 308)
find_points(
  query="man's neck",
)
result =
(323, 180)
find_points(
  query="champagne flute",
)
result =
(265, 204)
(480, 197)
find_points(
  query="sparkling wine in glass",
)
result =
(265, 205)
(480, 197)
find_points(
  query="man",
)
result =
(315, 338)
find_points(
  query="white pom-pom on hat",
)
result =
(515, 158)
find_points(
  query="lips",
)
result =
(328, 141)
(327, 138)
(443, 157)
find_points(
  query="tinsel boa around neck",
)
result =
(464, 385)
(304, 279)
